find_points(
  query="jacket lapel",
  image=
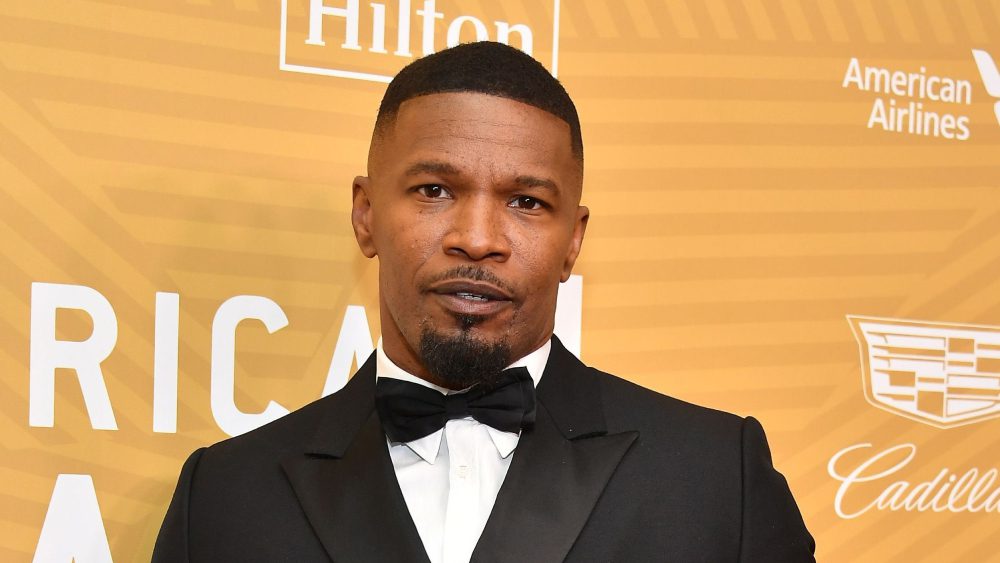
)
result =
(559, 470)
(346, 485)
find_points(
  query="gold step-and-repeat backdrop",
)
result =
(796, 215)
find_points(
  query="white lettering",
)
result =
(918, 85)
(354, 343)
(979, 489)
(165, 342)
(917, 499)
(378, 28)
(857, 476)
(47, 353)
(429, 13)
(853, 75)
(73, 529)
(898, 83)
(878, 116)
(230, 419)
(892, 496)
(403, 37)
(970, 492)
(351, 15)
(932, 94)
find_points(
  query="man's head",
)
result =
(486, 68)
(471, 204)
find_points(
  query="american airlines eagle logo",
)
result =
(941, 374)
(991, 76)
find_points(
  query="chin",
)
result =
(463, 357)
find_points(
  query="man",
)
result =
(433, 451)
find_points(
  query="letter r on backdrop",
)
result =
(48, 353)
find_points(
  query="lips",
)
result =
(473, 289)
(471, 297)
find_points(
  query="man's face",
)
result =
(472, 206)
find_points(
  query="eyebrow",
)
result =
(536, 182)
(430, 167)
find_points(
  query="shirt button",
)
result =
(462, 471)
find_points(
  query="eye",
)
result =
(433, 191)
(527, 203)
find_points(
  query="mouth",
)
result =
(466, 297)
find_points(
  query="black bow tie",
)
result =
(410, 411)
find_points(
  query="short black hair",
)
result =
(485, 67)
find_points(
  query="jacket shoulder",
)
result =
(627, 404)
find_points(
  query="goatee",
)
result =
(462, 361)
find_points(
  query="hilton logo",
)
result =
(940, 374)
(373, 40)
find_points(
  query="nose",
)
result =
(478, 230)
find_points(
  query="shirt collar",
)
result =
(428, 446)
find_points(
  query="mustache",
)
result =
(469, 272)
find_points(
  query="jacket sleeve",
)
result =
(172, 542)
(772, 526)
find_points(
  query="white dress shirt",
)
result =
(450, 479)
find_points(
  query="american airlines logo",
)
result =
(991, 77)
(372, 41)
(913, 101)
(941, 374)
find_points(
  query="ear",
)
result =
(361, 216)
(576, 244)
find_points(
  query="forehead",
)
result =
(473, 127)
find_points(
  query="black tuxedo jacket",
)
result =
(609, 472)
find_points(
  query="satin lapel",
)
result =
(559, 470)
(347, 487)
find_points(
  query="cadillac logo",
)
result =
(940, 374)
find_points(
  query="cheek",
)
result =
(553, 244)
(411, 239)
(542, 257)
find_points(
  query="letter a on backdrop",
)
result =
(73, 530)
